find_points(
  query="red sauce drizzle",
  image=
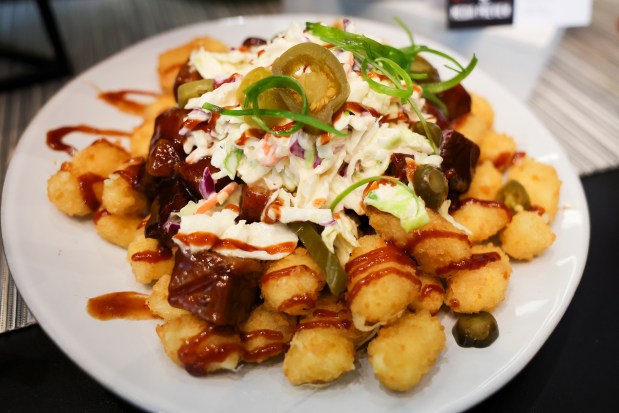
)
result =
(283, 128)
(340, 324)
(55, 137)
(151, 256)
(233, 78)
(303, 300)
(127, 305)
(518, 156)
(132, 174)
(86, 184)
(482, 202)
(190, 124)
(275, 206)
(284, 272)
(475, 262)
(266, 333)
(100, 214)
(540, 210)
(400, 117)
(377, 256)
(324, 313)
(119, 99)
(197, 355)
(250, 133)
(422, 235)
(357, 108)
(327, 319)
(266, 351)
(428, 289)
(503, 160)
(207, 238)
(373, 276)
(233, 207)
(387, 254)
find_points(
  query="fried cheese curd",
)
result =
(323, 346)
(77, 188)
(527, 235)
(292, 284)
(382, 282)
(434, 245)
(403, 352)
(200, 347)
(266, 334)
(481, 286)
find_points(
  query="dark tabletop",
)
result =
(576, 370)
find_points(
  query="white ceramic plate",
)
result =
(59, 262)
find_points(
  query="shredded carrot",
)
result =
(220, 197)
(226, 192)
(211, 201)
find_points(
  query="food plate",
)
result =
(59, 262)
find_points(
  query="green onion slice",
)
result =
(297, 117)
(274, 81)
(251, 108)
(369, 51)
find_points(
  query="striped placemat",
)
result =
(577, 96)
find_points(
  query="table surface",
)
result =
(576, 369)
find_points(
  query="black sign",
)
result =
(477, 13)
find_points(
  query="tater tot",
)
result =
(479, 289)
(485, 183)
(158, 300)
(381, 283)
(431, 295)
(403, 352)
(266, 334)
(332, 313)
(63, 190)
(292, 284)
(140, 139)
(192, 343)
(434, 246)
(481, 108)
(527, 235)
(483, 218)
(497, 148)
(117, 229)
(473, 127)
(100, 158)
(122, 190)
(171, 60)
(541, 182)
(149, 260)
(318, 356)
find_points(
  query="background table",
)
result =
(576, 370)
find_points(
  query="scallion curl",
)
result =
(297, 117)
(251, 107)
